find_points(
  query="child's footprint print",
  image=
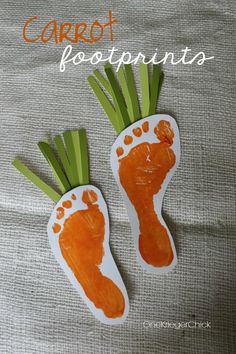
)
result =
(78, 232)
(144, 158)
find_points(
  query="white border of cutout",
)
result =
(108, 266)
(158, 198)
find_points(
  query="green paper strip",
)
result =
(81, 149)
(103, 81)
(132, 92)
(144, 81)
(61, 178)
(105, 103)
(63, 157)
(125, 91)
(68, 138)
(154, 89)
(118, 99)
(50, 192)
(160, 85)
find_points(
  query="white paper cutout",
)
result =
(107, 267)
(158, 198)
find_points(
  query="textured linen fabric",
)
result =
(40, 312)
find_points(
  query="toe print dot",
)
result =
(137, 132)
(89, 197)
(60, 213)
(145, 127)
(73, 196)
(119, 151)
(128, 139)
(67, 204)
(56, 228)
(164, 132)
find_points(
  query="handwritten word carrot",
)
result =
(67, 31)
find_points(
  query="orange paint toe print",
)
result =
(143, 171)
(80, 243)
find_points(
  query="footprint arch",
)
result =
(143, 159)
(78, 232)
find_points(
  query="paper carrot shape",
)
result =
(144, 157)
(78, 228)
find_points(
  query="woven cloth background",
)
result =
(39, 311)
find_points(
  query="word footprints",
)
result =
(143, 161)
(77, 233)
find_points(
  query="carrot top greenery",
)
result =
(70, 170)
(122, 107)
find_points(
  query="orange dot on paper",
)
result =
(145, 127)
(137, 132)
(56, 228)
(73, 196)
(60, 213)
(128, 139)
(89, 197)
(119, 151)
(67, 204)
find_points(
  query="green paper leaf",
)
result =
(71, 153)
(63, 157)
(125, 91)
(81, 154)
(24, 170)
(132, 92)
(154, 89)
(118, 99)
(144, 81)
(160, 85)
(55, 166)
(105, 103)
(103, 81)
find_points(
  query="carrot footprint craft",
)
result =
(144, 158)
(78, 229)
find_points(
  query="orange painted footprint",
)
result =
(78, 232)
(78, 229)
(144, 158)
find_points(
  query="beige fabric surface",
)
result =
(39, 310)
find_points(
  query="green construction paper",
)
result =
(160, 84)
(71, 153)
(50, 192)
(105, 103)
(144, 81)
(154, 88)
(118, 99)
(81, 149)
(63, 157)
(55, 166)
(103, 81)
(125, 91)
(132, 92)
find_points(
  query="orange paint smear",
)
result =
(128, 140)
(142, 173)
(119, 151)
(67, 204)
(56, 228)
(60, 213)
(81, 243)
